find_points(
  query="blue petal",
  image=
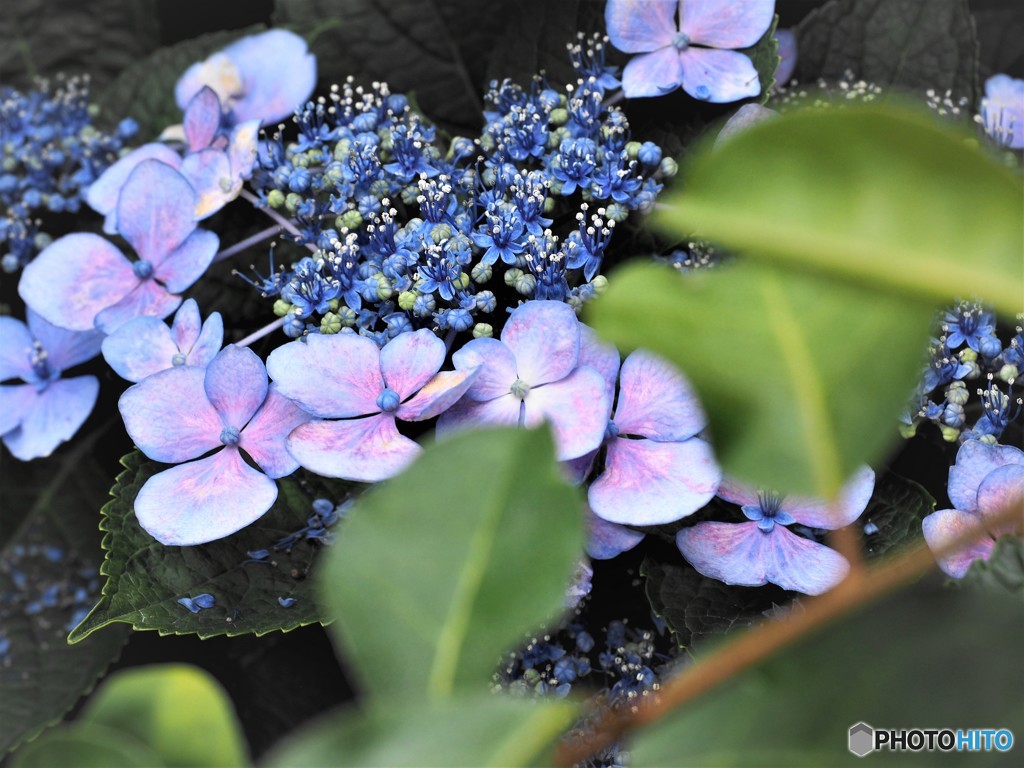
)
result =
(718, 76)
(53, 417)
(278, 74)
(652, 74)
(65, 348)
(16, 349)
(139, 348)
(639, 26)
(156, 210)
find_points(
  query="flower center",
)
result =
(178, 359)
(388, 400)
(143, 269)
(681, 42)
(519, 389)
(612, 430)
(229, 436)
(39, 360)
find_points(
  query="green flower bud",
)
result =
(549, 205)
(275, 198)
(334, 304)
(907, 431)
(617, 212)
(487, 142)
(482, 331)
(481, 273)
(385, 290)
(633, 149)
(350, 220)
(440, 233)
(347, 315)
(380, 189)
(300, 160)
(410, 193)
(949, 434)
(292, 202)
(558, 116)
(330, 323)
(406, 299)
(668, 167)
(1008, 373)
(526, 284)
(282, 307)
(599, 283)
(957, 393)
(490, 176)
(555, 189)
(968, 355)
(341, 149)
(387, 143)
(512, 275)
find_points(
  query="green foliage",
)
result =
(897, 508)
(873, 194)
(443, 568)
(145, 579)
(925, 658)
(782, 363)
(85, 746)
(1003, 571)
(903, 43)
(765, 56)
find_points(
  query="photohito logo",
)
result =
(865, 739)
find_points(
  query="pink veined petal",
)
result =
(496, 368)
(15, 402)
(53, 417)
(652, 74)
(210, 339)
(469, 414)
(218, 72)
(202, 119)
(147, 298)
(264, 437)
(188, 261)
(639, 26)
(736, 492)
(1001, 488)
(974, 461)
(606, 540)
(242, 149)
(103, 194)
(437, 395)
(204, 500)
(336, 376)
(649, 483)
(186, 325)
(409, 360)
(945, 526)
(17, 346)
(236, 384)
(656, 400)
(731, 24)
(718, 76)
(544, 336)
(852, 501)
(139, 348)
(169, 417)
(278, 74)
(156, 210)
(367, 450)
(209, 173)
(577, 409)
(74, 279)
(601, 356)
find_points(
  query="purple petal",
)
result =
(236, 383)
(210, 339)
(732, 24)
(278, 74)
(1001, 488)
(601, 356)
(652, 74)
(204, 500)
(577, 408)
(16, 400)
(409, 360)
(146, 299)
(64, 348)
(185, 328)
(787, 55)
(656, 400)
(53, 417)
(852, 501)
(649, 483)
(243, 148)
(366, 450)
(335, 376)
(736, 492)
(496, 368)
(156, 210)
(576, 470)
(1003, 110)
(638, 26)
(209, 174)
(218, 72)
(469, 414)
(169, 417)
(103, 194)
(264, 437)
(202, 119)
(139, 348)
(945, 526)
(718, 76)
(75, 278)
(189, 261)
(606, 540)
(544, 336)
(437, 395)
(974, 461)
(16, 349)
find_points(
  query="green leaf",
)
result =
(904, 43)
(446, 566)
(784, 363)
(765, 56)
(85, 746)
(479, 730)
(145, 579)
(48, 574)
(927, 658)
(897, 508)
(1003, 571)
(179, 711)
(873, 194)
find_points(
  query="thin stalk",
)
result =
(259, 237)
(257, 335)
(284, 223)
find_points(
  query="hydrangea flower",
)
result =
(533, 375)
(82, 280)
(264, 76)
(1002, 110)
(46, 410)
(182, 413)
(763, 550)
(347, 377)
(145, 345)
(695, 52)
(984, 480)
(607, 540)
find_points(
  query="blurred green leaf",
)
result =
(785, 363)
(897, 508)
(1003, 571)
(765, 56)
(479, 730)
(145, 579)
(926, 658)
(85, 746)
(872, 194)
(445, 567)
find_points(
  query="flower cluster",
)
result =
(51, 154)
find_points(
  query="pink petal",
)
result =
(264, 437)
(209, 173)
(496, 364)
(242, 149)
(278, 74)
(65, 349)
(1001, 488)
(210, 339)
(718, 76)
(155, 212)
(409, 360)
(437, 395)
(103, 194)
(204, 500)
(188, 261)
(74, 279)
(139, 348)
(218, 72)
(852, 501)
(335, 376)
(236, 384)
(544, 336)
(945, 526)
(169, 417)
(16, 349)
(147, 298)
(638, 26)
(601, 356)
(652, 74)
(974, 461)
(735, 492)
(186, 325)
(202, 119)
(606, 540)
(656, 400)
(577, 409)
(16, 400)
(576, 470)
(468, 414)
(53, 417)
(732, 24)
(366, 450)
(649, 483)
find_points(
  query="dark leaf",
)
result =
(893, 517)
(1003, 571)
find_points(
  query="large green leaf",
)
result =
(85, 746)
(802, 377)
(927, 658)
(446, 566)
(873, 194)
(480, 730)
(145, 579)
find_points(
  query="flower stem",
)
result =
(259, 237)
(285, 224)
(257, 335)
(615, 98)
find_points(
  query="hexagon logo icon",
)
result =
(862, 739)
